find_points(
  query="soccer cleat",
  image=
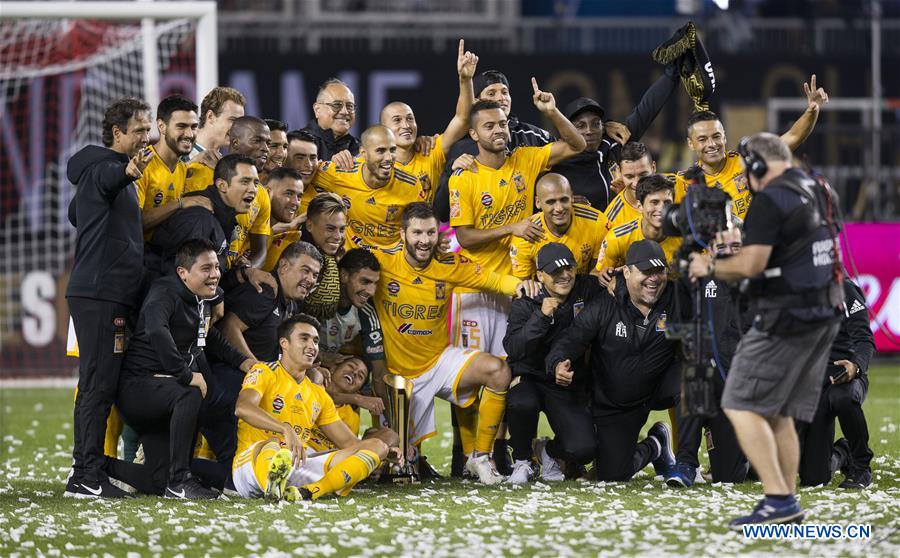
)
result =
(665, 462)
(681, 475)
(502, 459)
(857, 480)
(769, 510)
(84, 489)
(279, 471)
(426, 471)
(297, 494)
(190, 489)
(522, 472)
(840, 457)
(480, 466)
(550, 471)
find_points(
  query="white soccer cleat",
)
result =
(481, 467)
(550, 471)
(521, 473)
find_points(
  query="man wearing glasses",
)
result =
(335, 110)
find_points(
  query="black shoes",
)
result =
(426, 471)
(502, 459)
(85, 489)
(857, 480)
(190, 489)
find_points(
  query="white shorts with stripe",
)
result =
(245, 483)
(479, 322)
(441, 380)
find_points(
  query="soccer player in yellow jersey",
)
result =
(303, 157)
(160, 186)
(399, 118)
(580, 227)
(724, 169)
(248, 136)
(374, 191)
(278, 148)
(490, 206)
(285, 188)
(654, 193)
(278, 409)
(635, 163)
(412, 302)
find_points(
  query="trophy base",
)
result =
(398, 475)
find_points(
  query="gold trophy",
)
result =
(400, 395)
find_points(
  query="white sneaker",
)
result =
(550, 470)
(482, 468)
(521, 473)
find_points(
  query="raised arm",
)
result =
(571, 143)
(815, 98)
(654, 99)
(466, 64)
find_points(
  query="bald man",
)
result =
(399, 118)
(249, 136)
(580, 227)
(374, 191)
(335, 111)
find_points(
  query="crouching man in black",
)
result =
(161, 388)
(534, 324)
(846, 386)
(633, 365)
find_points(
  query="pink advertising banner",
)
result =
(872, 253)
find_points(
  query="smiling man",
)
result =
(579, 227)
(374, 191)
(335, 111)
(654, 193)
(285, 188)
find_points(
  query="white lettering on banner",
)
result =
(38, 313)
(823, 252)
(889, 314)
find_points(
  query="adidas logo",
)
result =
(371, 200)
(711, 289)
(856, 307)
(417, 281)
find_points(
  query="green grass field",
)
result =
(451, 518)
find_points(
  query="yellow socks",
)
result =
(467, 419)
(263, 461)
(344, 476)
(490, 415)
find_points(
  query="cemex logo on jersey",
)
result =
(407, 329)
(621, 331)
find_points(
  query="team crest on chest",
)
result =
(392, 212)
(519, 181)
(425, 182)
(661, 322)
(740, 183)
(440, 290)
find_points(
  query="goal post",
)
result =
(61, 65)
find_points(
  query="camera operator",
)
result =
(845, 387)
(776, 375)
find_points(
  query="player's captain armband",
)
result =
(71, 340)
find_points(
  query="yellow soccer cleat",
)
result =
(279, 470)
(294, 494)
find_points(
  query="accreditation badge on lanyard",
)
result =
(203, 327)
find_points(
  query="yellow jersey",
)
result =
(620, 212)
(492, 198)
(256, 221)
(731, 179)
(318, 441)
(427, 169)
(412, 305)
(373, 214)
(276, 245)
(583, 238)
(615, 245)
(159, 185)
(304, 405)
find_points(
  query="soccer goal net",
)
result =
(61, 64)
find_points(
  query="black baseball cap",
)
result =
(646, 255)
(553, 256)
(582, 104)
(487, 78)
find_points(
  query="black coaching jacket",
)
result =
(109, 245)
(854, 341)
(167, 334)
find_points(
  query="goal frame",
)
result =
(206, 35)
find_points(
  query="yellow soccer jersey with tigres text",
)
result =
(159, 185)
(491, 198)
(303, 405)
(277, 244)
(412, 305)
(620, 212)
(255, 221)
(583, 238)
(427, 169)
(373, 214)
(615, 245)
(318, 441)
(731, 179)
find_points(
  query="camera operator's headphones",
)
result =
(753, 163)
